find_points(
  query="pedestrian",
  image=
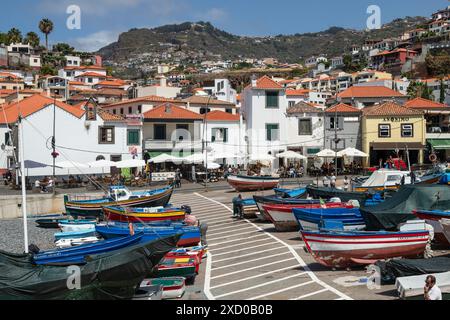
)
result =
(431, 290)
(326, 181)
(178, 177)
(237, 206)
(333, 181)
(413, 177)
(346, 183)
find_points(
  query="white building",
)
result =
(71, 73)
(73, 61)
(81, 136)
(264, 110)
(161, 90)
(222, 90)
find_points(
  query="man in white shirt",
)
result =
(431, 290)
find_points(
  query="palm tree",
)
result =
(46, 27)
(32, 39)
(14, 36)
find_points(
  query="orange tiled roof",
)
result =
(369, 92)
(342, 108)
(266, 83)
(299, 92)
(91, 74)
(85, 68)
(170, 111)
(112, 83)
(156, 99)
(420, 103)
(222, 116)
(109, 117)
(207, 100)
(31, 105)
(303, 107)
(390, 109)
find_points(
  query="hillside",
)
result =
(201, 40)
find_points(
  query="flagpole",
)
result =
(24, 190)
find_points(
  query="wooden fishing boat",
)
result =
(190, 235)
(198, 253)
(284, 220)
(344, 249)
(299, 193)
(67, 226)
(49, 223)
(118, 196)
(144, 215)
(261, 200)
(75, 234)
(328, 193)
(252, 183)
(313, 219)
(147, 293)
(173, 288)
(112, 275)
(76, 255)
(435, 215)
(186, 267)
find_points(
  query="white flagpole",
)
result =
(24, 189)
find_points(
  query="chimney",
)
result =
(162, 81)
(254, 81)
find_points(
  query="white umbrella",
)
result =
(291, 155)
(212, 166)
(261, 157)
(102, 164)
(327, 153)
(71, 164)
(165, 158)
(352, 152)
(225, 155)
(131, 163)
(197, 158)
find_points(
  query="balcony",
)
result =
(170, 145)
(438, 132)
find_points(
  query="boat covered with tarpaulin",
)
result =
(118, 196)
(107, 276)
(328, 193)
(399, 208)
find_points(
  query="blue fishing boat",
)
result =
(75, 234)
(190, 235)
(313, 219)
(291, 193)
(76, 255)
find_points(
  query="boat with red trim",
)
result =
(252, 183)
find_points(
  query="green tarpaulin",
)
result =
(440, 144)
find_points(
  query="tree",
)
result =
(63, 48)
(32, 39)
(47, 69)
(442, 91)
(419, 89)
(14, 36)
(46, 27)
(3, 38)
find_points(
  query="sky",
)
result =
(103, 20)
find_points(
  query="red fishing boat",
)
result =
(252, 183)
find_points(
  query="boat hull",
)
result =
(246, 183)
(435, 215)
(95, 209)
(260, 201)
(328, 193)
(344, 250)
(121, 215)
(173, 288)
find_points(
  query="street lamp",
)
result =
(205, 140)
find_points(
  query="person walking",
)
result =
(237, 207)
(333, 181)
(326, 181)
(431, 290)
(178, 177)
(346, 183)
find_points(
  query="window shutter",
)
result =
(341, 123)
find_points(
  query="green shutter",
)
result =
(271, 99)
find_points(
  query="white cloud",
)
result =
(95, 41)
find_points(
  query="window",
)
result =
(114, 111)
(130, 110)
(336, 123)
(106, 135)
(139, 109)
(184, 128)
(394, 178)
(229, 111)
(291, 104)
(90, 80)
(133, 137)
(203, 110)
(159, 132)
(219, 135)
(271, 99)
(121, 110)
(272, 132)
(8, 140)
(304, 127)
(384, 131)
(407, 130)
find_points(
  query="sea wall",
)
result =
(11, 206)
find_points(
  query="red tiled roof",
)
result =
(266, 83)
(172, 112)
(85, 68)
(420, 103)
(369, 92)
(303, 107)
(91, 74)
(342, 108)
(390, 109)
(109, 117)
(31, 105)
(156, 99)
(222, 116)
(299, 92)
(112, 83)
(207, 101)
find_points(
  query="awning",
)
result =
(381, 146)
(439, 144)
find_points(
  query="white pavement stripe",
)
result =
(217, 221)
(249, 261)
(228, 232)
(309, 294)
(253, 268)
(240, 244)
(294, 253)
(242, 249)
(219, 243)
(259, 286)
(226, 228)
(247, 255)
(221, 224)
(281, 290)
(206, 287)
(253, 277)
(249, 233)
